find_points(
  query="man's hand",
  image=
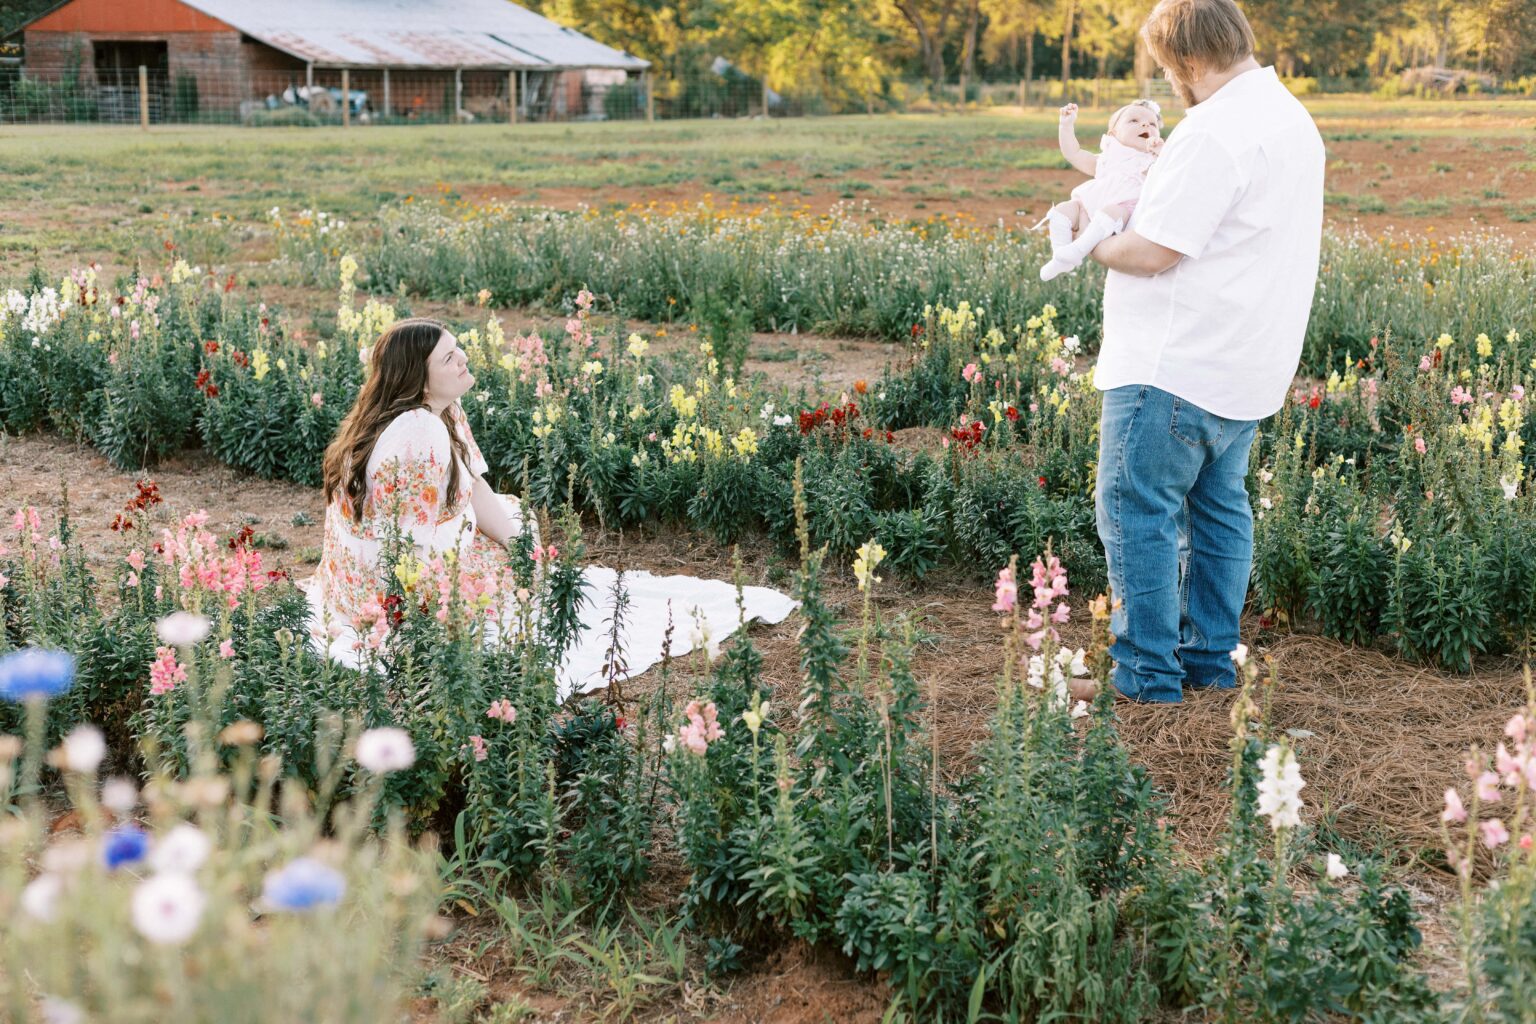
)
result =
(1069, 114)
(1120, 212)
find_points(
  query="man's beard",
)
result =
(1182, 90)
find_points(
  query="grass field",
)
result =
(68, 192)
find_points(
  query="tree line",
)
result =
(839, 49)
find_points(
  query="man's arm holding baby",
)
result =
(1130, 253)
(1066, 136)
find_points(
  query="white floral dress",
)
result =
(408, 478)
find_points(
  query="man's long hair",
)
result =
(1190, 37)
(397, 383)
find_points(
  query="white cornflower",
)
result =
(182, 629)
(119, 795)
(1336, 868)
(1280, 786)
(385, 750)
(1240, 655)
(82, 749)
(167, 909)
(40, 897)
(182, 850)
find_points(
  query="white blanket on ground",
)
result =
(698, 609)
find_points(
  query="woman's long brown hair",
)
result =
(397, 383)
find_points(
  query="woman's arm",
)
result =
(1066, 135)
(491, 514)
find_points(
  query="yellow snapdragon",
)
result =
(871, 554)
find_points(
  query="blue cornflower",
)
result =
(35, 672)
(303, 884)
(126, 844)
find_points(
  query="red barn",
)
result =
(428, 59)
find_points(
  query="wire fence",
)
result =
(119, 92)
(115, 92)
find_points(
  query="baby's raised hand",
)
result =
(1069, 113)
(1155, 145)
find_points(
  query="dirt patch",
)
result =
(1423, 183)
(39, 469)
(819, 364)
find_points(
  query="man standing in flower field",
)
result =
(1205, 308)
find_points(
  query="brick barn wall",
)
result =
(50, 55)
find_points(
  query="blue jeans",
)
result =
(1177, 527)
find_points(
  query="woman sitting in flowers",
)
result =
(405, 456)
(404, 460)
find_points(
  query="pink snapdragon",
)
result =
(1049, 582)
(165, 672)
(1488, 787)
(1007, 591)
(478, 747)
(1494, 833)
(503, 710)
(227, 649)
(1461, 396)
(1419, 445)
(1455, 811)
(702, 728)
(971, 373)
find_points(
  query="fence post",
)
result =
(143, 97)
(386, 92)
(1023, 93)
(346, 99)
(650, 98)
(309, 76)
(458, 94)
(765, 95)
(511, 97)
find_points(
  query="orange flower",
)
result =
(861, 386)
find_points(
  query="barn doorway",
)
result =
(117, 65)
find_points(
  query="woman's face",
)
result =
(448, 375)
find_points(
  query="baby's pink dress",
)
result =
(1117, 178)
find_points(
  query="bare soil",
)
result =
(1427, 184)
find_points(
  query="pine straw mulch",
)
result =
(1386, 736)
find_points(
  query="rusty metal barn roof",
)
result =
(416, 34)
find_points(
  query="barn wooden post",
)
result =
(458, 94)
(650, 96)
(386, 92)
(309, 76)
(765, 95)
(346, 98)
(512, 97)
(144, 97)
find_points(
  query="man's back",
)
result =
(1238, 191)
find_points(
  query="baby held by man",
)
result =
(1117, 172)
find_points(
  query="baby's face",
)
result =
(1137, 128)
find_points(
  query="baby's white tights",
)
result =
(1067, 254)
